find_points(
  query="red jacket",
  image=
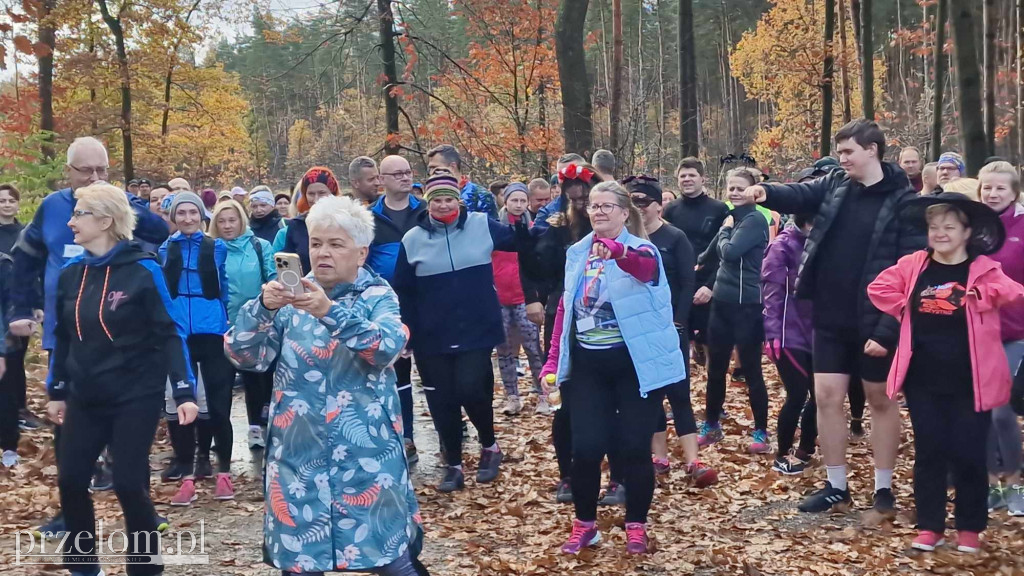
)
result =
(987, 290)
(506, 276)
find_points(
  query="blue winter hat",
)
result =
(954, 159)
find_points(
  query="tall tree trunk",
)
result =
(688, 125)
(114, 23)
(47, 37)
(938, 92)
(989, 58)
(867, 92)
(572, 74)
(168, 78)
(855, 18)
(542, 121)
(661, 90)
(844, 67)
(826, 81)
(615, 118)
(387, 57)
(972, 124)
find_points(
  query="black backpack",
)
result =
(208, 276)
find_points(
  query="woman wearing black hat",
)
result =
(950, 362)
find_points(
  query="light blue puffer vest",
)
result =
(644, 313)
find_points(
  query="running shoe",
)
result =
(490, 466)
(1015, 500)
(224, 490)
(709, 434)
(636, 538)
(927, 540)
(662, 466)
(10, 459)
(563, 495)
(856, 429)
(584, 535)
(27, 421)
(102, 478)
(702, 474)
(884, 502)
(256, 441)
(543, 408)
(513, 406)
(969, 542)
(697, 356)
(186, 494)
(453, 480)
(823, 500)
(162, 524)
(759, 442)
(614, 495)
(204, 469)
(788, 466)
(412, 455)
(996, 497)
(174, 472)
(52, 529)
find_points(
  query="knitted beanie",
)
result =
(441, 184)
(515, 187)
(954, 159)
(186, 197)
(314, 175)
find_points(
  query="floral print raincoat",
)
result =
(339, 496)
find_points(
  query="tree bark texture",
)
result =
(827, 80)
(387, 57)
(935, 148)
(688, 125)
(972, 123)
(114, 24)
(572, 74)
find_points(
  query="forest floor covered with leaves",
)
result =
(747, 524)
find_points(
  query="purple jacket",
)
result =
(1011, 256)
(786, 318)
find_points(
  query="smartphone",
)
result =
(289, 272)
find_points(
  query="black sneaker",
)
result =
(27, 421)
(856, 429)
(823, 500)
(884, 502)
(614, 495)
(102, 478)
(564, 493)
(412, 455)
(204, 469)
(174, 472)
(490, 463)
(788, 466)
(52, 529)
(453, 480)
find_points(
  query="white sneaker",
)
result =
(10, 459)
(543, 408)
(512, 406)
(256, 438)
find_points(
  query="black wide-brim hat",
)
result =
(987, 232)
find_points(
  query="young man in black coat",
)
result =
(857, 233)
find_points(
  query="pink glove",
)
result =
(773, 350)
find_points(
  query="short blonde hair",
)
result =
(1001, 167)
(939, 210)
(107, 201)
(228, 205)
(967, 186)
(345, 213)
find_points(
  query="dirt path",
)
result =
(746, 525)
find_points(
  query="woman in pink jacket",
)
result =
(950, 362)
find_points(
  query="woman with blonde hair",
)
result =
(117, 342)
(249, 265)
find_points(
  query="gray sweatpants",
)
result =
(1004, 438)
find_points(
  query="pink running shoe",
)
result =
(225, 490)
(969, 542)
(186, 494)
(636, 538)
(584, 534)
(661, 465)
(928, 541)
(702, 474)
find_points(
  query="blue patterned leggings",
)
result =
(519, 331)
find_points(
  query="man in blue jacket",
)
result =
(47, 243)
(476, 198)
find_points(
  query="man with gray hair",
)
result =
(364, 178)
(604, 161)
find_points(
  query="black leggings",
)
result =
(857, 400)
(207, 354)
(678, 396)
(258, 386)
(452, 382)
(12, 396)
(127, 431)
(740, 326)
(403, 370)
(609, 411)
(797, 374)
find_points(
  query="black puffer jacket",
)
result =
(891, 238)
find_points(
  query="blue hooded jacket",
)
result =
(387, 237)
(47, 243)
(201, 316)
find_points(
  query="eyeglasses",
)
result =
(602, 208)
(80, 213)
(99, 171)
(398, 175)
(642, 201)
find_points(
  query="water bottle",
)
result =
(554, 397)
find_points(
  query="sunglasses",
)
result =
(642, 201)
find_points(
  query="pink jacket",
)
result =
(987, 289)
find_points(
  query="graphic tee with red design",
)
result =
(941, 361)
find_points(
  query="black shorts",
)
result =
(836, 352)
(699, 317)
